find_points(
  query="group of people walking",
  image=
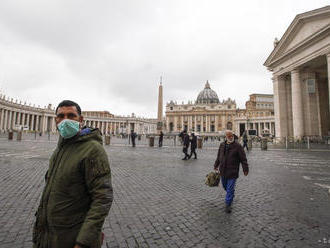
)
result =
(189, 141)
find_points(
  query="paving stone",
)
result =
(161, 201)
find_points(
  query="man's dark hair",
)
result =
(68, 103)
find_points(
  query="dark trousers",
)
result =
(160, 143)
(193, 151)
(245, 145)
(133, 142)
(185, 151)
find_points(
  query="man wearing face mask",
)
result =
(230, 155)
(78, 191)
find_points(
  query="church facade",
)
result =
(210, 116)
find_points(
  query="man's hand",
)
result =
(245, 173)
(77, 246)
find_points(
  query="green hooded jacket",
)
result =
(77, 196)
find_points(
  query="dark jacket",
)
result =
(193, 143)
(186, 142)
(77, 196)
(229, 157)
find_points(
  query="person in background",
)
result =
(193, 146)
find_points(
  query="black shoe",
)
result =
(228, 209)
(195, 158)
(184, 159)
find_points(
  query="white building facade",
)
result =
(15, 115)
(300, 63)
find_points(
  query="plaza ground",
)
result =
(162, 201)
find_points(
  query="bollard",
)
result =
(151, 141)
(19, 135)
(308, 144)
(286, 142)
(264, 143)
(107, 140)
(200, 143)
(10, 135)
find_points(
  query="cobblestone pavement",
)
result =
(161, 201)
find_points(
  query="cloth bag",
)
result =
(212, 179)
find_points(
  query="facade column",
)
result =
(32, 123)
(202, 123)
(328, 63)
(37, 123)
(2, 116)
(195, 121)
(182, 122)
(28, 121)
(10, 119)
(23, 119)
(216, 123)
(175, 124)
(280, 107)
(6, 120)
(297, 105)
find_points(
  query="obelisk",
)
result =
(160, 107)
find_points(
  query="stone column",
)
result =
(37, 123)
(328, 63)
(32, 122)
(28, 121)
(190, 123)
(202, 123)
(6, 120)
(167, 124)
(280, 107)
(182, 122)
(2, 116)
(216, 123)
(10, 120)
(175, 128)
(297, 105)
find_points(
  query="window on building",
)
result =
(171, 126)
(212, 128)
(171, 108)
(229, 126)
(198, 128)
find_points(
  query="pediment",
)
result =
(304, 29)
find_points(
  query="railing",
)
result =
(289, 143)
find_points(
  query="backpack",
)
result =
(212, 179)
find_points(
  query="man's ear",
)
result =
(81, 119)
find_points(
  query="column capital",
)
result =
(294, 71)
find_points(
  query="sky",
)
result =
(110, 54)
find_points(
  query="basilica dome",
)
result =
(207, 95)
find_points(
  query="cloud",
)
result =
(109, 55)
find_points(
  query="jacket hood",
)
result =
(85, 134)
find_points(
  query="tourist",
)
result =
(133, 136)
(230, 155)
(186, 142)
(245, 140)
(161, 137)
(193, 146)
(78, 193)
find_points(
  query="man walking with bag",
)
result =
(230, 155)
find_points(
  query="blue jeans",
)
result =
(229, 186)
